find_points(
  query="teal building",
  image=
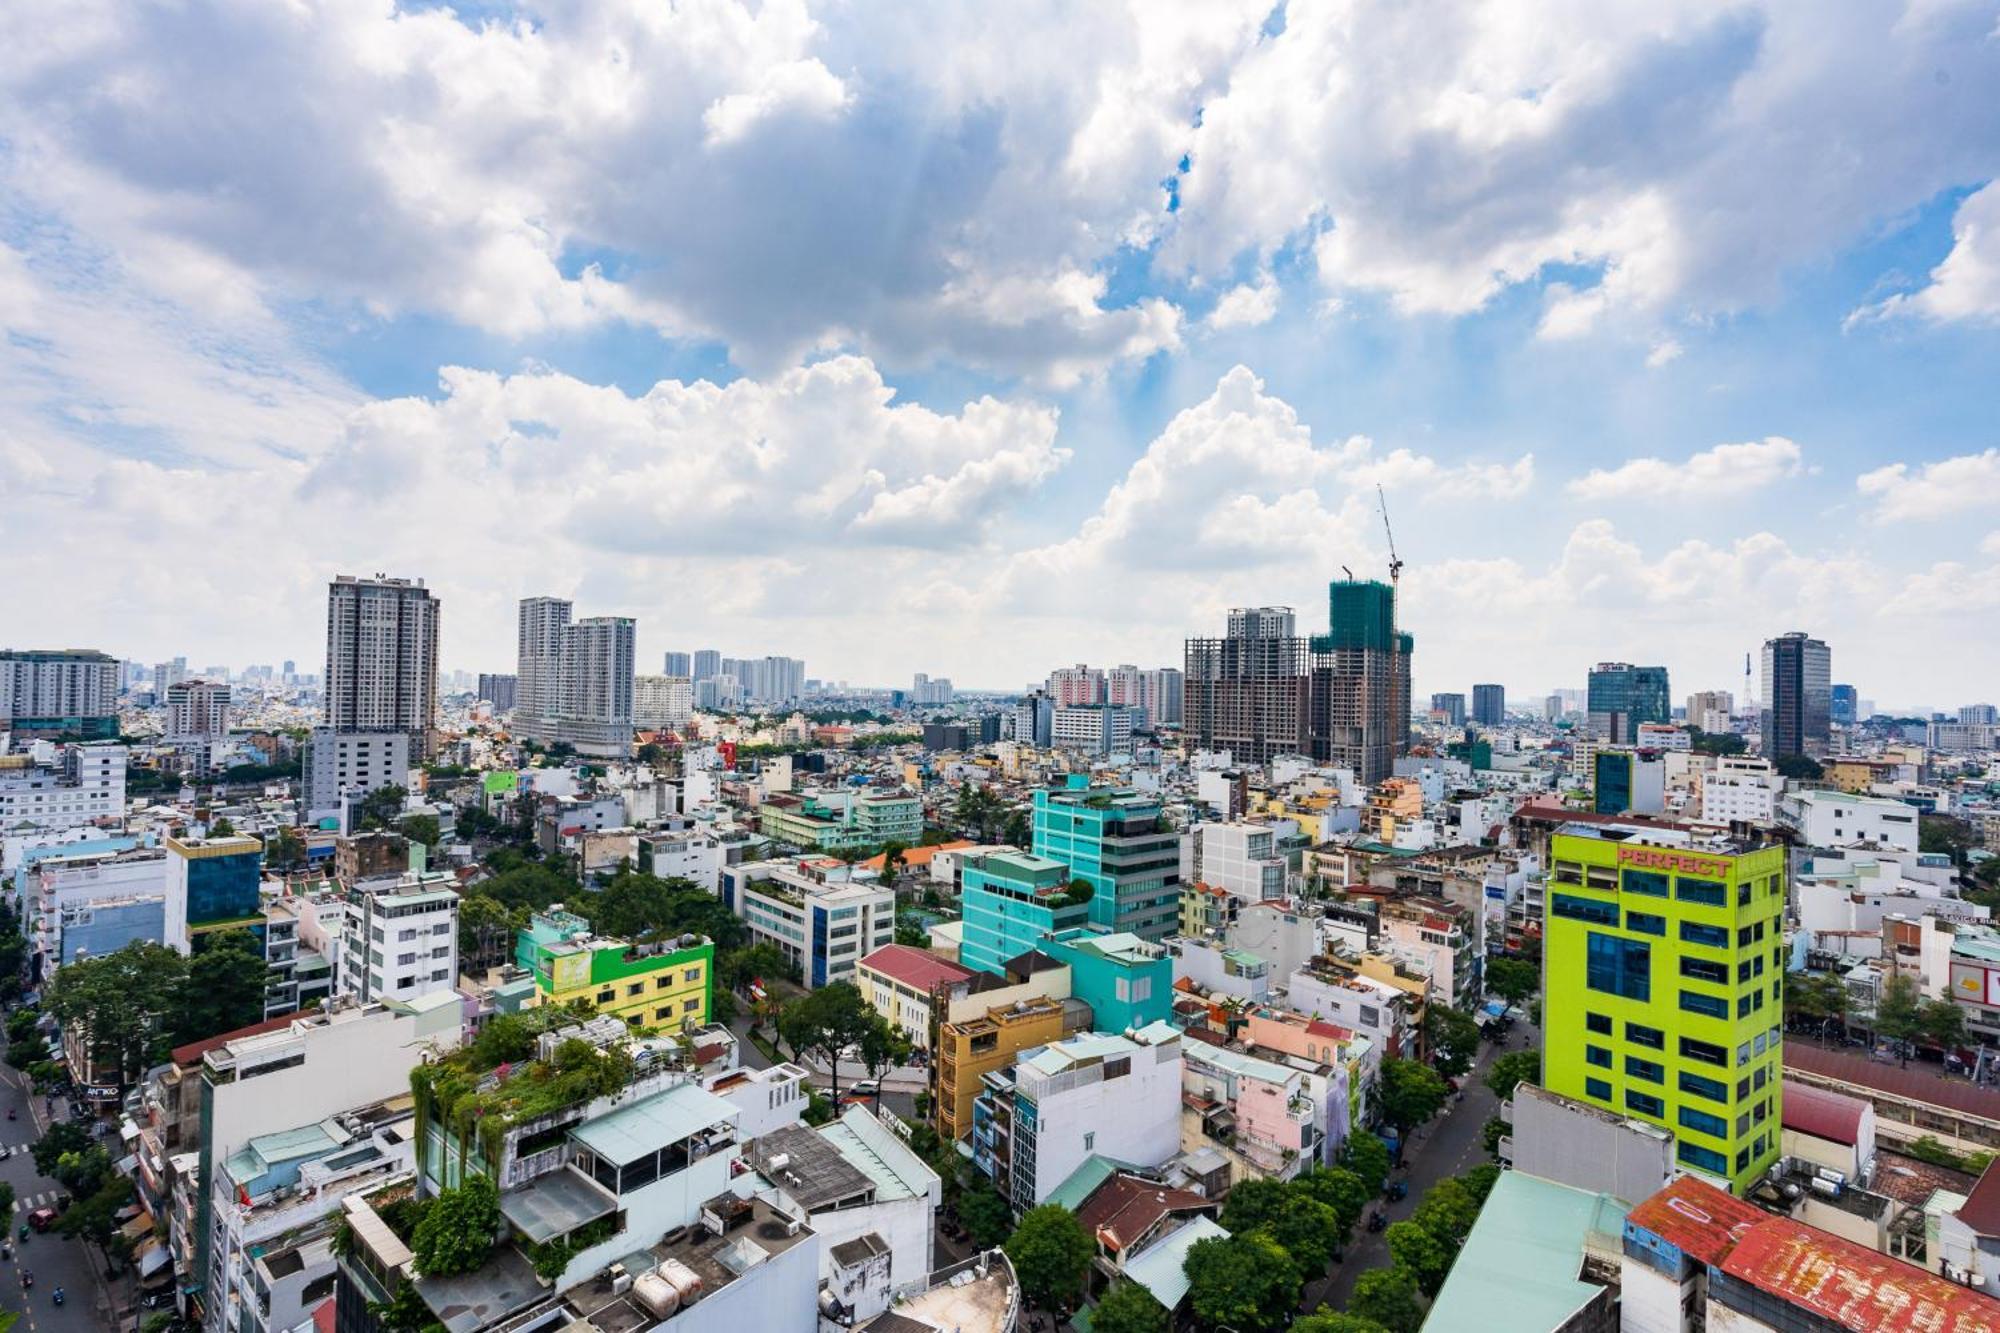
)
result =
(1127, 982)
(1012, 902)
(1116, 839)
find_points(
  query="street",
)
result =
(55, 1262)
(1446, 1147)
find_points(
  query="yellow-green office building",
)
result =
(1663, 965)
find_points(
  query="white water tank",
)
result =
(659, 1296)
(685, 1281)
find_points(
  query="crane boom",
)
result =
(1395, 565)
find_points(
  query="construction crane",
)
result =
(1395, 565)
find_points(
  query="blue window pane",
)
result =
(1598, 1088)
(1704, 1123)
(1644, 1103)
(1641, 1035)
(1704, 1004)
(1709, 892)
(1715, 937)
(1597, 1055)
(1645, 1070)
(1619, 966)
(1646, 923)
(1703, 1159)
(1584, 909)
(1645, 881)
(1704, 1087)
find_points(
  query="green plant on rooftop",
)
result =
(457, 1232)
(552, 1256)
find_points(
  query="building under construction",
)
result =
(1342, 697)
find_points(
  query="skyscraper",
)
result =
(1161, 694)
(1489, 705)
(197, 710)
(679, 664)
(707, 663)
(1663, 965)
(1621, 696)
(1451, 707)
(1359, 698)
(1246, 692)
(1077, 685)
(498, 689)
(59, 692)
(573, 682)
(381, 659)
(1797, 695)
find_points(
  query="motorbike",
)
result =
(59, 1296)
(27, 1279)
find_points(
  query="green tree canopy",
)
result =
(1128, 1308)
(380, 809)
(1247, 1283)
(988, 1218)
(1367, 1157)
(1389, 1297)
(122, 1004)
(225, 987)
(1324, 1320)
(1899, 1012)
(457, 1230)
(1453, 1037)
(1512, 1070)
(1341, 1190)
(826, 1022)
(1514, 980)
(1942, 1023)
(1425, 1254)
(1051, 1255)
(1409, 1093)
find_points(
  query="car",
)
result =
(867, 1087)
(42, 1219)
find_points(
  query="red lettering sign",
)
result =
(1654, 858)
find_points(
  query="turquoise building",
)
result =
(1011, 903)
(1116, 839)
(1126, 981)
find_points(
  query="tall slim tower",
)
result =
(1798, 695)
(381, 659)
(574, 679)
(538, 662)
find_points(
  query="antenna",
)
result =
(1350, 573)
(1395, 565)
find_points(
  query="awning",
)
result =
(153, 1258)
(556, 1205)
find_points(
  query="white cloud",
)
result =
(1969, 481)
(1246, 305)
(1990, 546)
(1663, 353)
(798, 87)
(1726, 471)
(1966, 285)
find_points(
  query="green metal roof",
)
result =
(631, 1132)
(1527, 1243)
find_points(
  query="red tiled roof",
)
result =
(913, 857)
(194, 1050)
(1981, 1210)
(1696, 1218)
(1852, 1286)
(917, 968)
(1912, 1084)
(1823, 1114)
(1124, 1208)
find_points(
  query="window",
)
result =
(1706, 1052)
(1619, 966)
(607, 995)
(1703, 1123)
(691, 975)
(1694, 1002)
(1707, 892)
(1597, 1055)
(1743, 893)
(1704, 1087)
(1645, 1103)
(664, 1012)
(1598, 1023)
(1713, 937)
(1703, 1159)
(1645, 1070)
(1646, 923)
(1569, 872)
(1648, 882)
(1641, 1035)
(1757, 1079)
(1598, 1088)
(1583, 909)
(662, 983)
(1700, 969)
(1746, 1003)
(689, 1006)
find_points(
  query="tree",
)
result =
(1899, 1013)
(1389, 1297)
(63, 1137)
(825, 1023)
(284, 850)
(221, 827)
(1480, 1180)
(1514, 980)
(881, 1048)
(225, 987)
(1511, 1070)
(1943, 1023)
(1247, 1283)
(1490, 1134)
(1051, 1255)
(752, 962)
(1799, 767)
(1448, 1212)
(94, 1215)
(487, 929)
(1016, 832)
(911, 935)
(893, 852)
(6, 1198)
(1324, 1320)
(1341, 1190)
(1409, 1093)
(1367, 1157)
(1453, 1038)
(1425, 1254)
(988, 1218)
(120, 1005)
(421, 828)
(1945, 833)
(380, 809)
(1820, 995)
(1128, 1308)
(457, 1230)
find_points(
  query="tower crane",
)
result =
(1395, 565)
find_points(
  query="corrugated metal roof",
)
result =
(1853, 1286)
(1528, 1243)
(1912, 1084)
(916, 968)
(1982, 1207)
(1822, 1114)
(1159, 1268)
(631, 1132)
(1696, 1218)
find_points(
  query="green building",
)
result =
(664, 982)
(1126, 981)
(1116, 839)
(839, 821)
(1012, 902)
(1662, 988)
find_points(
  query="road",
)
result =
(1448, 1146)
(55, 1262)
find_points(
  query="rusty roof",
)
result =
(1918, 1085)
(1852, 1286)
(1696, 1218)
(1126, 1207)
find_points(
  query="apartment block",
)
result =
(665, 983)
(968, 1049)
(1118, 840)
(69, 692)
(814, 912)
(63, 788)
(1012, 901)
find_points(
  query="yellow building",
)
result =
(661, 983)
(970, 1049)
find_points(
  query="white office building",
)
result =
(662, 701)
(401, 937)
(1837, 819)
(1094, 1094)
(69, 690)
(1740, 788)
(1093, 729)
(814, 912)
(1239, 858)
(339, 763)
(63, 787)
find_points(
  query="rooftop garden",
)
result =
(488, 1087)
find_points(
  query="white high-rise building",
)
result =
(401, 938)
(82, 785)
(338, 762)
(67, 691)
(1076, 686)
(1740, 788)
(1123, 685)
(169, 673)
(381, 659)
(573, 681)
(662, 701)
(1097, 729)
(197, 710)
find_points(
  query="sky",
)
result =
(978, 339)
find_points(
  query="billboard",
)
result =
(1974, 984)
(503, 783)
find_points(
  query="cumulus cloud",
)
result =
(1966, 285)
(1664, 353)
(1930, 490)
(1246, 305)
(1713, 474)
